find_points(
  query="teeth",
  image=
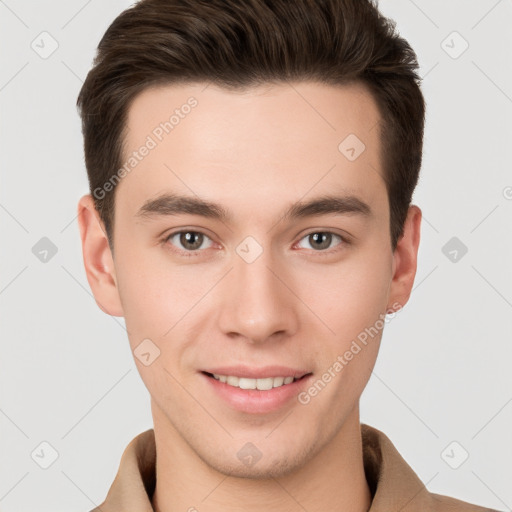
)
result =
(261, 384)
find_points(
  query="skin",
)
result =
(254, 152)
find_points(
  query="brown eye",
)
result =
(320, 240)
(188, 241)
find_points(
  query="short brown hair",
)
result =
(242, 43)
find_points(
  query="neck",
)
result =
(333, 479)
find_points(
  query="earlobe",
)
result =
(405, 258)
(97, 256)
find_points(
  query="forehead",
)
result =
(270, 142)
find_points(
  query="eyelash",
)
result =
(197, 252)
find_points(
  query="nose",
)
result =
(258, 305)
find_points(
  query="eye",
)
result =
(320, 240)
(188, 241)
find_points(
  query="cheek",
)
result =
(151, 294)
(351, 302)
(162, 301)
(348, 297)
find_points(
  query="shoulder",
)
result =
(443, 503)
(394, 484)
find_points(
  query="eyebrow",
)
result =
(173, 204)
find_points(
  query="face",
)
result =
(285, 263)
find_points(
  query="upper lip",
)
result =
(258, 373)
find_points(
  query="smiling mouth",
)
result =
(262, 384)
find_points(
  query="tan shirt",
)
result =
(393, 484)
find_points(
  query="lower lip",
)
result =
(255, 401)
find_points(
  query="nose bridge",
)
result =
(257, 304)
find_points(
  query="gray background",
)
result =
(443, 375)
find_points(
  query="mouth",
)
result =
(258, 395)
(260, 384)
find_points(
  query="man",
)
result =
(251, 167)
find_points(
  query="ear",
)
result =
(405, 259)
(98, 260)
